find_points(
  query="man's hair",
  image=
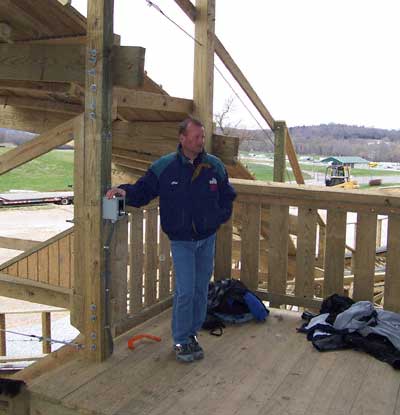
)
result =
(185, 123)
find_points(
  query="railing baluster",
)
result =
(3, 340)
(33, 266)
(278, 251)
(250, 252)
(54, 266)
(392, 280)
(119, 271)
(223, 252)
(46, 332)
(43, 257)
(305, 258)
(151, 256)
(334, 254)
(165, 266)
(136, 261)
(364, 257)
(64, 261)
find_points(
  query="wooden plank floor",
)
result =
(252, 369)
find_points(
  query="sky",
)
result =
(310, 61)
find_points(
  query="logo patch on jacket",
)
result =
(213, 184)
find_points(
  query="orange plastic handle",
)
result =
(142, 336)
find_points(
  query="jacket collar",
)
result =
(186, 160)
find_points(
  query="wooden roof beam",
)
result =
(62, 88)
(41, 104)
(147, 100)
(66, 63)
(65, 40)
(33, 121)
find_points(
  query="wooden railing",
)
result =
(143, 253)
(43, 273)
(263, 258)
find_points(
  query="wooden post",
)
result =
(203, 87)
(95, 178)
(3, 343)
(46, 332)
(280, 132)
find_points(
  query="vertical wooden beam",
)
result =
(136, 261)
(46, 332)
(335, 248)
(3, 343)
(119, 272)
(364, 257)
(280, 132)
(203, 79)
(392, 280)
(78, 288)
(96, 175)
(250, 249)
(151, 256)
(165, 266)
(305, 258)
(278, 251)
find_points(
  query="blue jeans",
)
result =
(193, 263)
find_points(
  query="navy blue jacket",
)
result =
(195, 198)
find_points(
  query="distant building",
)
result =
(346, 161)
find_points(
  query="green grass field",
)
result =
(266, 173)
(354, 172)
(50, 172)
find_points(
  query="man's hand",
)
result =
(115, 191)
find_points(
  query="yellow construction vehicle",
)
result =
(338, 175)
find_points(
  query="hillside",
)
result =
(330, 139)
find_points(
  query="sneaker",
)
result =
(197, 350)
(183, 353)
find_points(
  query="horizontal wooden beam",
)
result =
(33, 121)
(66, 63)
(155, 138)
(289, 299)
(17, 244)
(41, 104)
(38, 146)
(151, 101)
(38, 87)
(65, 40)
(14, 359)
(315, 197)
(33, 291)
(143, 315)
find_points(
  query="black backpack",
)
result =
(227, 297)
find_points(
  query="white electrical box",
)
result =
(114, 209)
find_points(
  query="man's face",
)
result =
(192, 140)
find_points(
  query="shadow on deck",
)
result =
(252, 369)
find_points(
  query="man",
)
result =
(195, 199)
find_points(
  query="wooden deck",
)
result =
(252, 369)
